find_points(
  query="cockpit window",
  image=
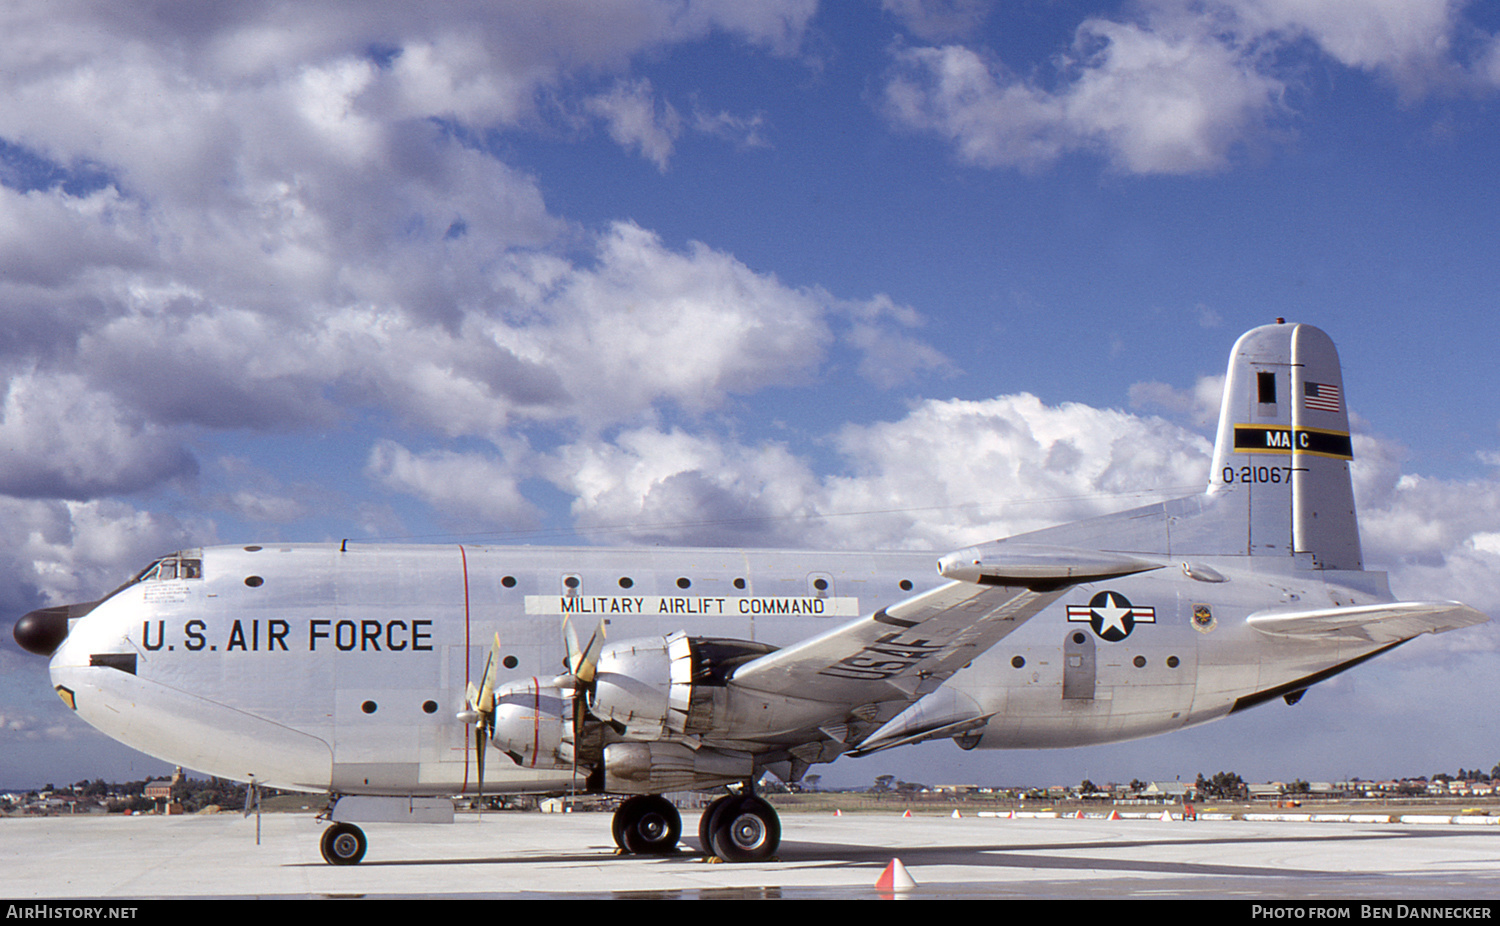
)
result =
(170, 568)
(167, 569)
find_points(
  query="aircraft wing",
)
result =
(891, 653)
(903, 651)
(1379, 623)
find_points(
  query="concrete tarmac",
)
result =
(519, 855)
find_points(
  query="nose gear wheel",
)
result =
(343, 844)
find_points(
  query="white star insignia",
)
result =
(1114, 615)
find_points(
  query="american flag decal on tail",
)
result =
(1321, 397)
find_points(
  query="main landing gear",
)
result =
(647, 824)
(739, 827)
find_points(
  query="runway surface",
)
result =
(572, 856)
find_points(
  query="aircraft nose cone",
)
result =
(42, 631)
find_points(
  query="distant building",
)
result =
(1166, 791)
(161, 790)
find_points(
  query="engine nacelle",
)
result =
(651, 768)
(660, 686)
(534, 724)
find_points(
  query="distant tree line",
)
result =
(192, 793)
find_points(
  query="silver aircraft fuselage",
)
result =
(327, 667)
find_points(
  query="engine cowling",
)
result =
(534, 723)
(658, 687)
(638, 686)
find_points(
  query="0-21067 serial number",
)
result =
(1269, 474)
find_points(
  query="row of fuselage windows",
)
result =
(171, 569)
(1019, 662)
(574, 583)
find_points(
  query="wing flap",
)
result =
(1379, 623)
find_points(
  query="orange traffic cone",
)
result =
(895, 878)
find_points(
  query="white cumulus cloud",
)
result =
(1178, 88)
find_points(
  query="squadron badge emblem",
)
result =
(1203, 618)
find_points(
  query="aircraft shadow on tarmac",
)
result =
(1013, 855)
(997, 855)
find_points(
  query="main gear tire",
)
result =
(745, 829)
(706, 821)
(647, 824)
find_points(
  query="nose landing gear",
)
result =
(343, 844)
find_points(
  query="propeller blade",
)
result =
(480, 748)
(484, 699)
(570, 646)
(583, 661)
(481, 703)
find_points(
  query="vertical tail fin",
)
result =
(1283, 449)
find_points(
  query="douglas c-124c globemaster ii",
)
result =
(385, 676)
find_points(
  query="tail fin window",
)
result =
(1265, 384)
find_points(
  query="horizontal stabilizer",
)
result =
(1377, 623)
(1038, 566)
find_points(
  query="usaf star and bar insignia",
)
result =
(1111, 615)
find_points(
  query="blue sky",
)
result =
(638, 272)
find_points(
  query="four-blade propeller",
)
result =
(479, 709)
